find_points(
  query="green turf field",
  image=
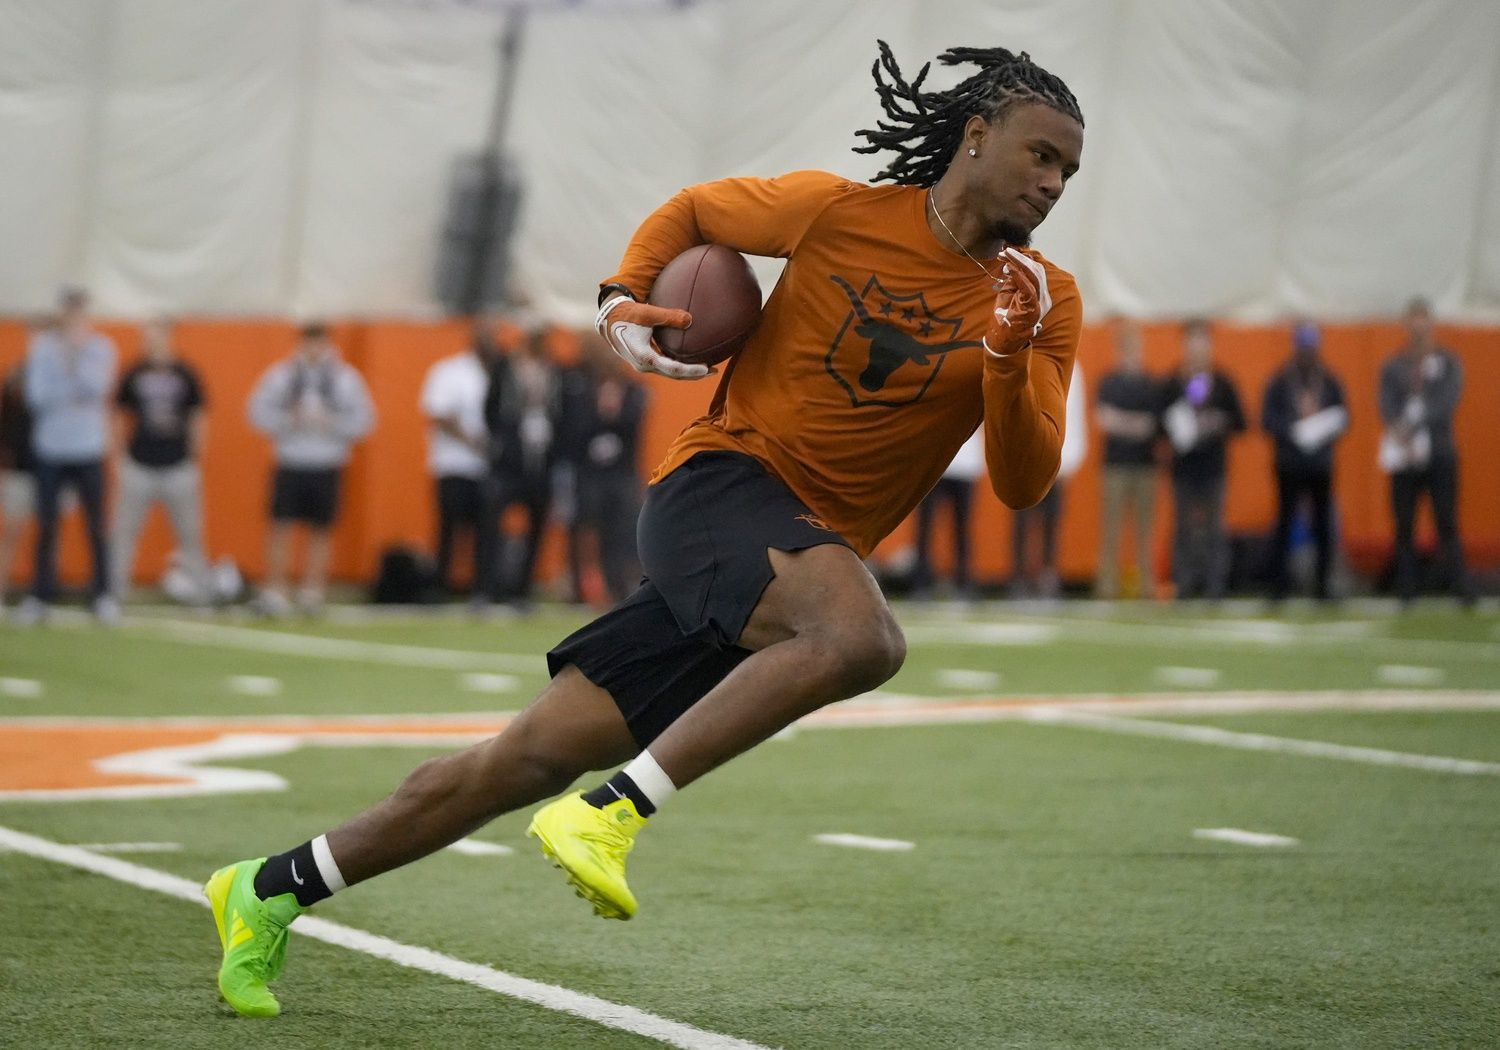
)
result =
(1055, 894)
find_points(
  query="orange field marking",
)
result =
(93, 760)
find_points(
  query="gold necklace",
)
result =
(932, 199)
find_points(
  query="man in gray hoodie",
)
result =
(315, 406)
(1419, 391)
(70, 373)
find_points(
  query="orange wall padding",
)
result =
(389, 497)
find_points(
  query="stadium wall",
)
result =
(388, 497)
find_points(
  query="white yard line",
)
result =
(254, 685)
(1187, 677)
(477, 848)
(1240, 837)
(1405, 674)
(865, 842)
(285, 643)
(488, 682)
(1261, 742)
(132, 847)
(987, 634)
(549, 996)
(966, 678)
(21, 688)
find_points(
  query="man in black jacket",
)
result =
(602, 412)
(1201, 413)
(521, 410)
(1304, 412)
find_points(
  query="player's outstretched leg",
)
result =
(821, 632)
(571, 728)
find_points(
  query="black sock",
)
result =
(617, 787)
(294, 871)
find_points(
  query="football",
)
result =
(716, 285)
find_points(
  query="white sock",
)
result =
(323, 857)
(650, 778)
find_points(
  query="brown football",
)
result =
(716, 285)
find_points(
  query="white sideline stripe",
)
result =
(21, 688)
(131, 847)
(1208, 631)
(1194, 677)
(476, 848)
(1261, 742)
(1244, 838)
(864, 842)
(1404, 674)
(254, 685)
(549, 996)
(285, 643)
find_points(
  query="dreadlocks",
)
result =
(925, 127)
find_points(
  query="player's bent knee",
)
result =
(863, 655)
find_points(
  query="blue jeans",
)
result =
(87, 479)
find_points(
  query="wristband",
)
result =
(610, 291)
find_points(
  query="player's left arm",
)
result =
(1026, 380)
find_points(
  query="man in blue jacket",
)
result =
(70, 374)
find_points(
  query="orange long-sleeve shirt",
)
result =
(866, 373)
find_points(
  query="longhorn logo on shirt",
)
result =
(885, 337)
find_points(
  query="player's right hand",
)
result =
(626, 325)
(1021, 301)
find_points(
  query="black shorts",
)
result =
(703, 535)
(310, 496)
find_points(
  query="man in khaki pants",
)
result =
(1127, 415)
(160, 402)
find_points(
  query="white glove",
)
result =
(626, 325)
(1021, 301)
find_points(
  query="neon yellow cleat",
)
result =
(590, 846)
(252, 933)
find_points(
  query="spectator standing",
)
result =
(17, 485)
(458, 457)
(1126, 413)
(602, 411)
(1202, 412)
(315, 406)
(70, 372)
(522, 409)
(1039, 525)
(160, 403)
(1304, 412)
(956, 489)
(1419, 391)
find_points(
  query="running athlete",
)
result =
(907, 316)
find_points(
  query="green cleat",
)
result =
(590, 846)
(252, 933)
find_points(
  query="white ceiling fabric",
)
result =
(1249, 158)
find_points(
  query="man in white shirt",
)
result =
(315, 406)
(458, 456)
